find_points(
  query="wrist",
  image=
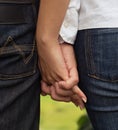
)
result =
(46, 42)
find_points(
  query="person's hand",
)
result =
(67, 90)
(64, 95)
(56, 93)
(51, 63)
(79, 97)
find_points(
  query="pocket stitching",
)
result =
(88, 54)
(25, 60)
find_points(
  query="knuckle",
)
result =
(76, 80)
(53, 95)
(50, 80)
(57, 90)
(69, 87)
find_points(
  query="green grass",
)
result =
(59, 115)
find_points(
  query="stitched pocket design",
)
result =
(17, 61)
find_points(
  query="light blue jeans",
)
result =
(97, 57)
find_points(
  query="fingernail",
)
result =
(84, 99)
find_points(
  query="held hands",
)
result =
(79, 97)
(51, 63)
(59, 75)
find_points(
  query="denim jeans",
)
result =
(19, 74)
(97, 57)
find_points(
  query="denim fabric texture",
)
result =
(97, 57)
(19, 74)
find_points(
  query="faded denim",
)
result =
(19, 74)
(97, 57)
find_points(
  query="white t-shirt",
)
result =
(87, 14)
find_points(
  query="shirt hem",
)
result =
(92, 26)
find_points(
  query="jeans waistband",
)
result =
(17, 1)
(12, 11)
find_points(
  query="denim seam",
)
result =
(91, 56)
(26, 60)
(34, 11)
(86, 50)
(102, 79)
(5, 77)
(88, 54)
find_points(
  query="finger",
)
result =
(62, 92)
(57, 97)
(72, 80)
(80, 94)
(45, 75)
(52, 78)
(45, 88)
(78, 101)
(75, 102)
(43, 94)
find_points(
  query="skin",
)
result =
(49, 51)
(73, 94)
(59, 75)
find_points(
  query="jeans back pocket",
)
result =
(17, 61)
(101, 50)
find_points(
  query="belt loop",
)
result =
(16, 1)
(34, 10)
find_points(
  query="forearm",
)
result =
(50, 18)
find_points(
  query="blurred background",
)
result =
(62, 116)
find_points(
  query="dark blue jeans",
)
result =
(19, 74)
(97, 57)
